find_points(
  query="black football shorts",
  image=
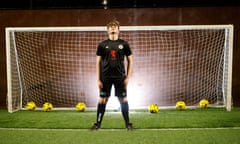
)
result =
(120, 90)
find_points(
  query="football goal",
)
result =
(171, 63)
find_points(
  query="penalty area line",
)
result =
(118, 129)
(189, 129)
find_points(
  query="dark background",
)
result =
(43, 13)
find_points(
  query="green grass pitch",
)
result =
(169, 126)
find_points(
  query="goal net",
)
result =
(171, 63)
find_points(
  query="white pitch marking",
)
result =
(119, 129)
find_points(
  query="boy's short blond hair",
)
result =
(113, 23)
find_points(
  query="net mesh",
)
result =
(169, 65)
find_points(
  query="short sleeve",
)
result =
(127, 49)
(99, 50)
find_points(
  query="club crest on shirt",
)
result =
(120, 46)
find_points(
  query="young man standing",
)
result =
(111, 71)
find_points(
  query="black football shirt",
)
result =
(113, 54)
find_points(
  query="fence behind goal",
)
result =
(171, 63)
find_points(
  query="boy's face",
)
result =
(113, 29)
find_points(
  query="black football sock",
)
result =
(100, 113)
(125, 113)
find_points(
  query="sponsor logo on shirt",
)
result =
(113, 54)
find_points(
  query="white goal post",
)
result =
(171, 63)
